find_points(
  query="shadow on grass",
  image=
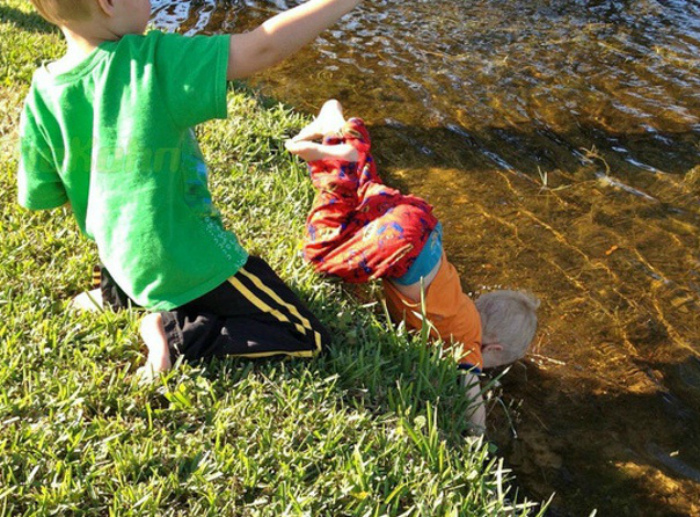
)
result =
(31, 22)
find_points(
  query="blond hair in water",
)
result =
(510, 319)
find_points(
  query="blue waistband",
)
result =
(426, 260)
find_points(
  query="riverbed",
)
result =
(559, 142)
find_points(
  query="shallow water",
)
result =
(559, 141)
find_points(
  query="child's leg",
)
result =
(254, 314)
(105, 295)
(112, 295)
(359, 229)
(334, 218)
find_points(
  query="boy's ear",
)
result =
(492, 355)
(106, 6)
(492, 347)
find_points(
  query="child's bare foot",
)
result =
(329, 120)
(158, 361)
(88, 301)
(311, 151)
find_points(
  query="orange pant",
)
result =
(451, 312)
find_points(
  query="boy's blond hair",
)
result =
(61, 11)
(510, 319)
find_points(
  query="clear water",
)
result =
(559, 141)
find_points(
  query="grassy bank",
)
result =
(375, 427)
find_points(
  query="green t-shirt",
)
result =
(113, 136)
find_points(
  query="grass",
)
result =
(375, 427)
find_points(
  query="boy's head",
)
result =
(508, 324)
(119, 17)
(61, 11)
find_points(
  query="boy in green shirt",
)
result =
(107, 129)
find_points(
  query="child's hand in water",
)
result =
(311, 151)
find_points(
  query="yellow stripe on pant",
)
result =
(261, 304)
(291, 308)
(267, 309)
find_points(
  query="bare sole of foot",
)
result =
(158, 361)
(329, 120)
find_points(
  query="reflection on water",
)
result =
(559, 141)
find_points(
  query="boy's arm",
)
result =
(478, 416)
(282, 35)
(39, 186)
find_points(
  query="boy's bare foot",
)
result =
(88, 301)
(158, 361)
(328, 121)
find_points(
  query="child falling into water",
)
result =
(359, 229)
(107, 130)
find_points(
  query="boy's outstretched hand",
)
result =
(282, 35)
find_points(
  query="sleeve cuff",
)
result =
(469, 367)
(45, 203)
(222, 80)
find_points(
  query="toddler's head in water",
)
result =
(508, 324)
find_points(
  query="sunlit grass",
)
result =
(377, 426)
